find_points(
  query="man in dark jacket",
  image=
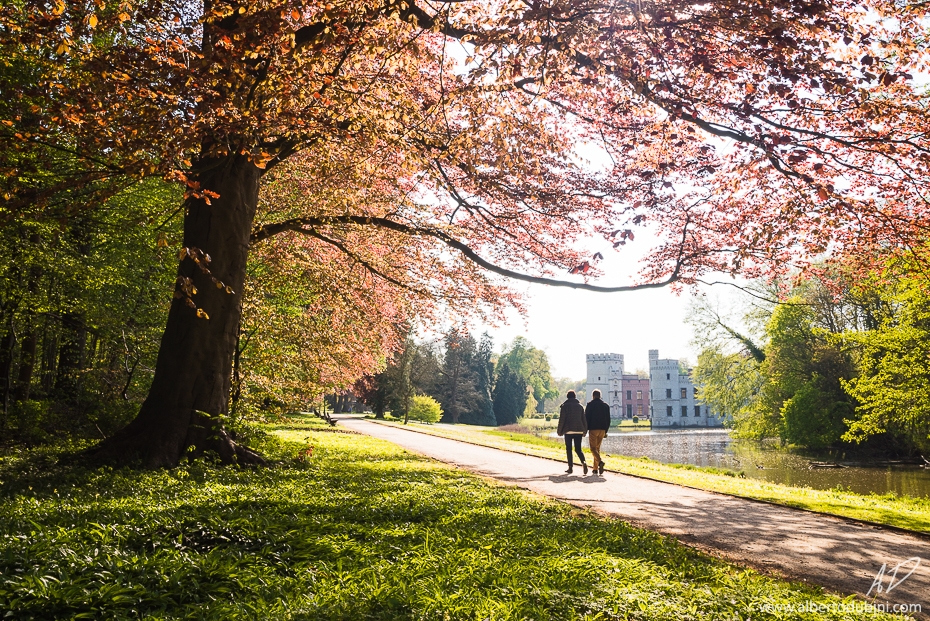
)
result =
(597, 415)
(573, 426)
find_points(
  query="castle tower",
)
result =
(675, 401)
(665, 384)
(604, 373)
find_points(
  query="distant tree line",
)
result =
(834, 360)
(472, 384)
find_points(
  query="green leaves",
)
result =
(366, 530)
(893, 385)
(424, 408)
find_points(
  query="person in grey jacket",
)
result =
(573, 426)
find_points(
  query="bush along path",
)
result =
(346, 527)
(841, 554)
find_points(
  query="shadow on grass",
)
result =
(364, 531)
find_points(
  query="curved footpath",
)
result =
(840, 554)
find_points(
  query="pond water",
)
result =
(716, 448)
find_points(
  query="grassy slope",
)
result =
(363, 531)
(900, 511)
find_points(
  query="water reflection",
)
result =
(716, 448)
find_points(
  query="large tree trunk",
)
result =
(191, 388)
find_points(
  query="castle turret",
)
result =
(604, 374)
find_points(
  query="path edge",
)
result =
(878, 525)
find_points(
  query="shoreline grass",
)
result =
(360, 530)
(904, 512)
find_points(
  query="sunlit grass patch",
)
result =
(900, 511)
(360, 529)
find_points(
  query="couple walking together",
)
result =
(576, 420)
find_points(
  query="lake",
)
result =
(715, 447)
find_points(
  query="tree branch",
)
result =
(304, 225)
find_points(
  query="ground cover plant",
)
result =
(355, 528)
(905, 512)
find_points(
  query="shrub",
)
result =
(635, 419)
(548, 416)
(426, 409)
(109, 417)
(31, 421)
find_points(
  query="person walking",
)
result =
(597, 416)
(573, 426)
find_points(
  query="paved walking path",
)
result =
(840, 554)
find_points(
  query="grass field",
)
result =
(531, 437)
(359, 530)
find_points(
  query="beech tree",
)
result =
(532, 365)
(748, 135)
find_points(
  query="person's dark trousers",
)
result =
(573, 438)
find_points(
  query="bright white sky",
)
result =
(568, 324)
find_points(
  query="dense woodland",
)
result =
(472, 384)
(83, 305)
(837, 361)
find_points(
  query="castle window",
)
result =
(629, 394)
(697, 410)
(684, 410)
(639, 410)
(668, 376)
(639, 394)
(668, 411)
(694, 392)
(684, 393)
(668, 393)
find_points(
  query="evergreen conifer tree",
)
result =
(509, 395)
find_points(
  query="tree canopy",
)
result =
(748, 131)
(532, 366)
(841, 361)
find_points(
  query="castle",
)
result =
(675, 400)
(626, 394)
(668, 397)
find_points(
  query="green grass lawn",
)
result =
(360, 530)
(899, 511)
